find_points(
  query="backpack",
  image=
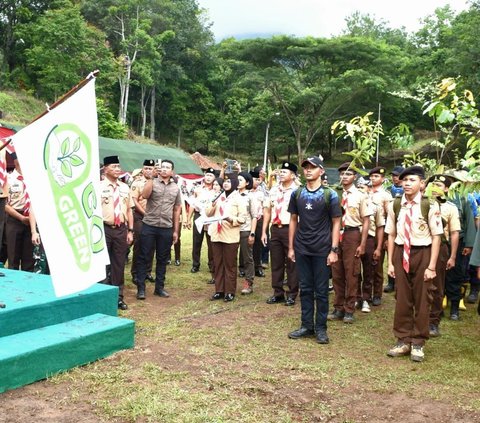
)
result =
(327, 193)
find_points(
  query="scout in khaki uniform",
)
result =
(373, 253)
(448, 248)
(260, 196)
(140, 205)
(353, 239)
(275, 210)
(380, 198)
(117, 222)
(413, 246)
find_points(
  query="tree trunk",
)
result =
(179, 137)
(127, 90)
(143, 110)
(152, 114)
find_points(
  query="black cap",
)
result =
(254, 174)
(345, 166)
(289, 166)
(441, 178)
(209, 170)
(248, 178)
(380, 170)
(313, 160)
(397, 170)
(149, 162)
(413, 170)
(111, 160)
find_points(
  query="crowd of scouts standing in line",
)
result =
(313, 234)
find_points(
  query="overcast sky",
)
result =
(321, 18)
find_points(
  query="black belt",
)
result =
(280, 226)
(415, 247)
(351, 228)
(113, 226)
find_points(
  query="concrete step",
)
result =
(37, 354)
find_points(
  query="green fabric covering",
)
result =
(133, 154)
(30, 302)
(34, 355)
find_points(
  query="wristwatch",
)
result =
(335, 250)
(252, 234)
(130, 229)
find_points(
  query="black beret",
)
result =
(289, 166)
(345, 166)
(254, 174)
(209, 170)
(413, 170)
(149, 162)
(111, 160)
(378, 170)
(441, 178)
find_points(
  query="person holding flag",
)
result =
(117, 223)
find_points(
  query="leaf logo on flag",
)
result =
(67, 158)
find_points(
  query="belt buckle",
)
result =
(280, 225)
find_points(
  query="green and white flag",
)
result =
(58, 154)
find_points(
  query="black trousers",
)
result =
(19, 245)
(117, 246)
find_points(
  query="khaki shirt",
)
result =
(422, 231)
(377, 220)
(201, 197)
(16, 192)
(250, 205)
(357, 207)
(259, 196)
(106, 195)
(278, 201)
(450, 218)
(160, 205)
(4, 188)
(381, 198)
(233, 208)
(136, 191)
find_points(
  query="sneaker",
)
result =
(434, 331)
(365, 307)
(399, 350)
(336, 315)
(247, 287)
(348, 318)
(376, 301)
(417, 353)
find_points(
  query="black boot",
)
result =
(454, 310)
(390, 287)
(473, 296)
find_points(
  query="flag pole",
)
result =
(64, 97)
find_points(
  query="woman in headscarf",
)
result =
(225, 236)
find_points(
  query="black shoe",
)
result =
(348, 318)
(322, 337)
(455, 316)
(141, 294)
(150, 278)
(177, 262)
(211, 282)
(260, 273)
(217, 296)
(194, 269)
(473, 296)
(241, 274)
(389, 288)
(275, 300)
(336, 315)
(376, 301)
(122, 305)
(290, 301)
(301, 333)
(161, 293)
(169, 262)
(229, 297)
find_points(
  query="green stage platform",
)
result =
(41, 334)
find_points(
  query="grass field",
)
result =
(202, 361)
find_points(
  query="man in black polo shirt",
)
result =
(313, 239)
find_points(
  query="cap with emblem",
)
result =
(345, 166)
(379, 170)
(149, 162)
(314, 161)
(209, 170)
(397, 170)
(413, 170)
(111, 160)
(289, 166)
(440, 178)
